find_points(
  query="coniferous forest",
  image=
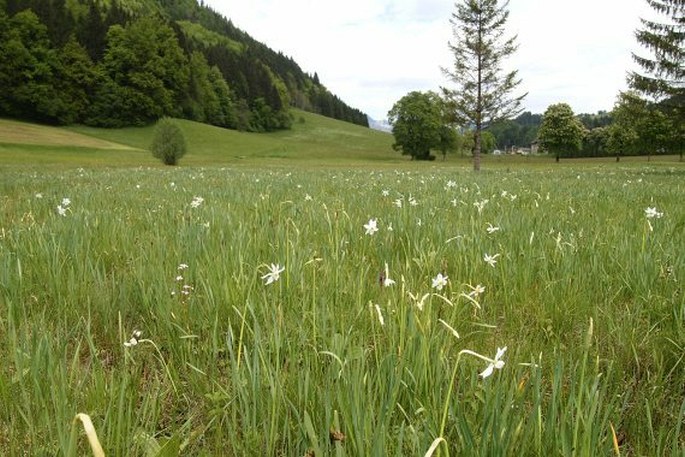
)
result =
(116, 63)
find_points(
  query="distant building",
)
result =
(534, 147)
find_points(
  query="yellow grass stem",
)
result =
(90, 433)
(614, 439)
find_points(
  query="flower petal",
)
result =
(488, 371)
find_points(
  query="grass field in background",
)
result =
(313, 142)
(585, 292)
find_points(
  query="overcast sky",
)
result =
(371, 53)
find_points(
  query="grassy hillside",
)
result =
(313, 139)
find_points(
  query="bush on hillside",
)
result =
(168, 142)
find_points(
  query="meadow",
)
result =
(360, 311)
(311, 292)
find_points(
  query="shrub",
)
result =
(168, 142)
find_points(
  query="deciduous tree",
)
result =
(561, 133)
(416, 121)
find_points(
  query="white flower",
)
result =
(134, 339)
(183, 266)
(412, 201)
(398, 203)
(390, 229)
(179, 278)
(451, 183)
(197, 201)
(39, 195)
(308, 198)
(497, 362)
(439, 281)
(66, 202)
(490, 259)
(61, 210)
(387, 282)
(480, 205)
(371, 227)
(274, 274)
(492, 229)
(652, 213)
(476, 291)
(385, 192)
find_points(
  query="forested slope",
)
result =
(115, 63)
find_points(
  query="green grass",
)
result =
(586, 294)
(313, 141)
(587, 298)
(313, 138)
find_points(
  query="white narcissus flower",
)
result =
(197, 201)
(652, 213)
(439, 281)
(135, 336)
(61, 210)
(490, 259)
(497, 362)
(480, 205)
(274, 274)
(371, 227)
(476, 291)
(492, 229)
(66, 202)
(387, 282)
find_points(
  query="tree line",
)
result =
(481, 114)
(123, 62)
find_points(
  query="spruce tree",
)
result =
(665, 71)
(483, 93)
(663, 80)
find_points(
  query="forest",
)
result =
(116, 63)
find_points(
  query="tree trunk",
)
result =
(476, 149)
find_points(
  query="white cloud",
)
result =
(372, 52)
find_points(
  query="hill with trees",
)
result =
(115, 63)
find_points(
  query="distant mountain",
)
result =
(128, 62)
(381, 125)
